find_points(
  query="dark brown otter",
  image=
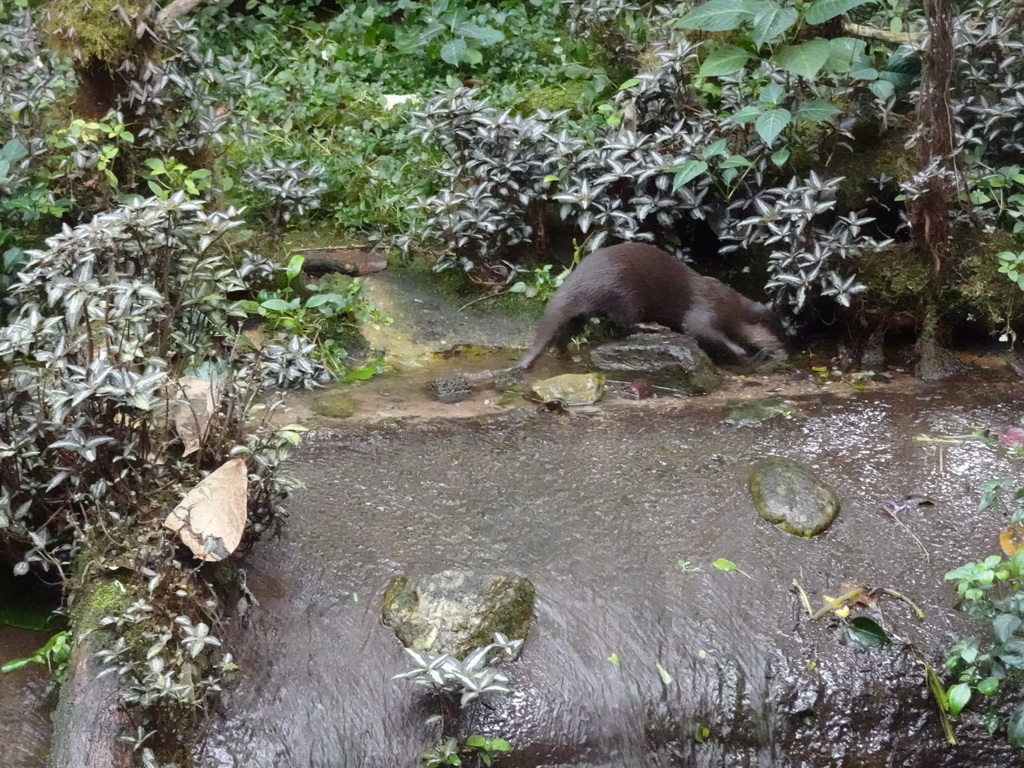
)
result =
(636, 283)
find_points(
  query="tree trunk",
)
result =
(929, 209)
(89, 716)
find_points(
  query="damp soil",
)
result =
(617, 513)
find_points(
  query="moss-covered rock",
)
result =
(667, 359)
(456, 611)
(791, 497)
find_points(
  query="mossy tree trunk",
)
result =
(89, 717)
(109, 42)
(929, 210)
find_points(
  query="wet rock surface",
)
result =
(666, 359)
(569, 389)
(454, 612)
(602, 509)
(790, 496)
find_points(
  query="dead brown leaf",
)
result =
(211, 517)
(192, 411)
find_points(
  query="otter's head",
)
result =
(764, 328)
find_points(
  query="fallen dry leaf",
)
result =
(192, 411)
(211, 517)
(1011, 539)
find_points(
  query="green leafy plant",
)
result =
(1012, 265)
(96, 144)
(55, 655)
(999, 193)
(475, 750)
(541, 284)
(317, 314)
(457, 684)
(775, 32)
(992, 590)
(451, 30)
(165, 177)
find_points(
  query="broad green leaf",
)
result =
(804, 59)
(686, 171)
(453, 51)
(882, 89)
(772, 21)
(14, 150)
(324, 298)
(770, 124)
(815, 111)
(957, 697)
(846, 53)
(772, 94)
(822, 10)
(714, 148)
(614, 659)
(988, 686)
(866, 632)
(277, 305)
(724, 564)
(485, 35)
(294, 266)
(1011, 653)
(727, 60)
(736, 161)
(1005, 625)
(864, 73)
(629, 84)
(500, 745)
(1015, 727)
(779, 158)
(745, 115)
(719, 15)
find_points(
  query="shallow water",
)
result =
(597, 508)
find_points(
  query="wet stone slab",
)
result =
(617, 516)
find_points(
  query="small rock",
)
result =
(668, 359)
(762, 409)
(569, 389)
(450, 389)
(790, 496)
(456, 611)
(638, 389)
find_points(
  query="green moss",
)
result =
(868, 159)
(335, 404)
(99, 598)
(974, 284)
(970, 287)
(894, 275)
(94, 31)
(512, 618)
(567, 95)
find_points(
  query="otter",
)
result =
(635, 284)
